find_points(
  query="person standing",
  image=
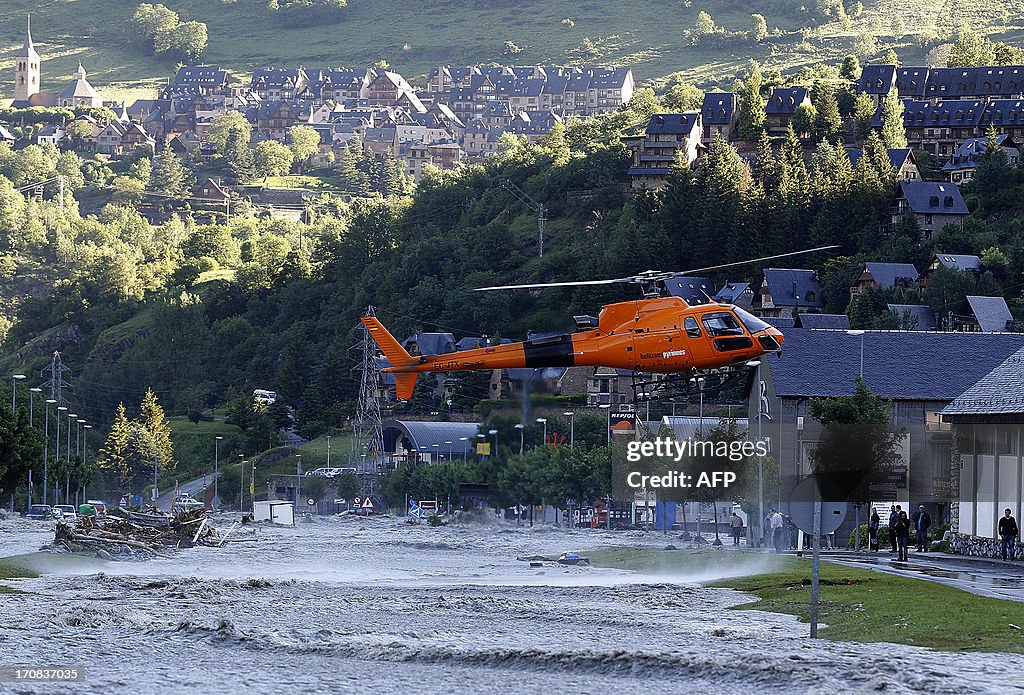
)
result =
(922, 522)
(873, 523)
(894, 516)
(737, 528)
(902, 531)
(777, 526)
(1008, 533)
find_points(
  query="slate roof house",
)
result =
(669, 137)
(914, 317)
(738, 293)
(988, 315)
(692, 289)
(961, 166)
(902, 161)
(782, 104)
(206, 79)
(785, 290)
(920, 372)
(885, 276)
(938, 127)
(988, 462)
(934, 204)
(720, 114)
(954, 261)
(876, 81)
(828, 322)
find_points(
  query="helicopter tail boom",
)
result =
(405, 381)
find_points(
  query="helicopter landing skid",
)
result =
(682, 384)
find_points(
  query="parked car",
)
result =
(100, 506)
(40, 512)
(185, 501)
(65, 512)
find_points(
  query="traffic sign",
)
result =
(311, 502)
(358, 501)
(801, 508)
(338, 500)
(367, 504)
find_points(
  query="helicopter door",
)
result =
(696, 339)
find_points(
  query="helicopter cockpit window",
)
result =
(752, 323)
(692, 329)
(722, 323)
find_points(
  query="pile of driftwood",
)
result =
(127, 535)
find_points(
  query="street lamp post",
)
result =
(241, 482)
(216, 469)
(480, 436)
(298, 479)
(494, 433)
(449, 445)
(15, 378)
(67, 471)
(465, 447)
(607, 408)
(760, 459)
(572, 427)
(31, 404)
(522, 428)
(544, 421)
(46, 448)
(85, 429)
(328, 451)
(252, 485)
(56, 457)
(856, 505)
(78, 452)
(861, 334)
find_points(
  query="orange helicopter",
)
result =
(656, 335)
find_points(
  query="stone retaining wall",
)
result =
(962, 544)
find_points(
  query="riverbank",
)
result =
(10, 568)
(857, 605)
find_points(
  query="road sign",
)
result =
(358, 501)
(367, 504)
(801, 508)
(415, 510)
(311, 502)
(338, 500)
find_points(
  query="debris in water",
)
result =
(135, 535)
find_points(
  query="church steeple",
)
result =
(26, 68)
(28, 50)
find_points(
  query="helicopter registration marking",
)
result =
(674, 353)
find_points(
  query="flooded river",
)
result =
(378, 606)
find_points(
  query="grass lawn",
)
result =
(11, 570)
(314, 183)
(857, 605)
(413, 36)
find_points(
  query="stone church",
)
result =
(28, 89)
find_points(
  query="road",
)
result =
(192, 487)
(980, 576)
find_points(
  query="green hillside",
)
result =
(412, 36)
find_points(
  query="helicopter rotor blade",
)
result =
(538, 285)
(755, 260)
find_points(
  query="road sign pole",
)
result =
(815, 565)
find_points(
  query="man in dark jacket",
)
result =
(1008, 532)
(922, 522)
(894, 515)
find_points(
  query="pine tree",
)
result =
(894, 133)
(238, 157)
(152, 419)
(168, 176)
(752, 107)
(115, 449)
(828, 124)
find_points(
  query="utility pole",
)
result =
(536, 206)
(56, 382)
(367, 427)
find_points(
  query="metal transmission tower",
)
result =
(367, 428)
(536, 206)
(56, 382)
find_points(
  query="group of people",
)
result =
(899, 529)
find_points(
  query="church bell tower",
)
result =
(26, 69)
